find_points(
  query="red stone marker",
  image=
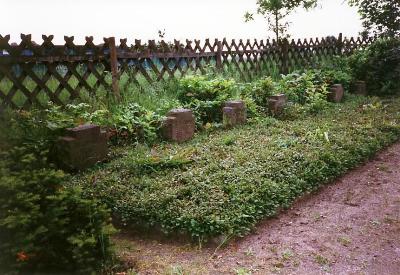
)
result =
(276, 103)
(336, 93)
(360, 88)
(179, 125)
(237, 112)
(81, 147)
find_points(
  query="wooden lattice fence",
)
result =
(33, 74)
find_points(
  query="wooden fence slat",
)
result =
(114, 66)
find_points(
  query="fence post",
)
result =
(218, 57)
(340, 44)
(284, 45)
(114, 67)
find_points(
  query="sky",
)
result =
(181, 19)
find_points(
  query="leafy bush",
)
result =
(307, 88)
(134, 123)
(260, 90)
(379, 66)
(126, 122)
(238, 177)
(44, 225)
(206, 97)
(336, 71)
(38, 129)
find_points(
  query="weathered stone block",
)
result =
(360, 88)
(229, 116)
(87, 132)
(81, 147)
(179, 125)
(336, 93)
(240, 110)
(277, 103)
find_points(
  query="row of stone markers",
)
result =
(336, 92)
(86, 145)
(180, 124)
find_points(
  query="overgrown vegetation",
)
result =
(219, 183)
(225, 187)
(206, 96)
(379, 66)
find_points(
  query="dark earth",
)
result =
(351, 226)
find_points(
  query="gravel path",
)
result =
(349, 227)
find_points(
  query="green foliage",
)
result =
(308, 88)
(202, 89)
(37, 126)
(379, 66)
(206, 97)
(228, 140)
(134, 123)
(204, 189)
(158, 97)
(238, 177)
(336, 71)
(126, 122)
(260, 90)
(381, 17)
(140, 121)
(44, 225)
(155, 163)
(276, 11)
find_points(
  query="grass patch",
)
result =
(211, 188)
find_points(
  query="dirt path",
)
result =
(349, 227)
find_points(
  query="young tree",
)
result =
(275, 11)
(381, 17)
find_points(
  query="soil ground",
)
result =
(351, 226)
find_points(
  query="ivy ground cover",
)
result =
(224, 181)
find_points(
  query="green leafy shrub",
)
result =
(336, 71)
(307, 88)
(134, 123)
(44, 225)
(126, 122)
(206, 96)
(203, 89)
(379, 66)
(38, 129)
(260, 90)
(57, 119)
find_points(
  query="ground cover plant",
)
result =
(223, 182)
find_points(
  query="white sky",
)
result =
(181, 19)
